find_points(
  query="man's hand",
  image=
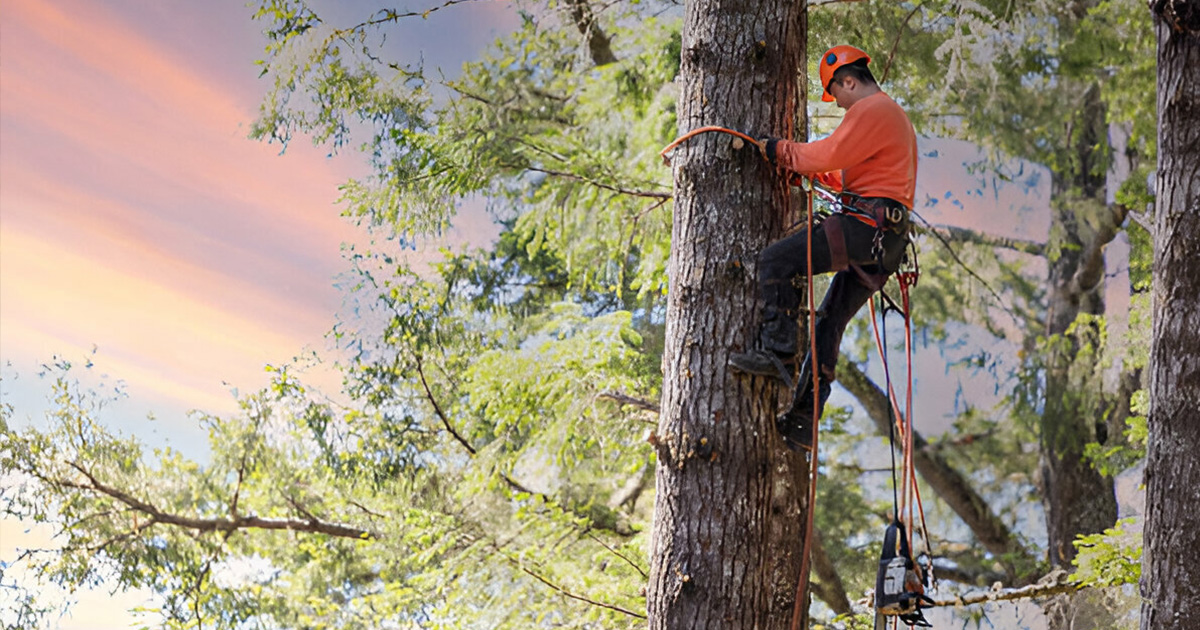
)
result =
(768, 144)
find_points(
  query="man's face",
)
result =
(840, 93)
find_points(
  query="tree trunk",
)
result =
(1170, 572)
(727, 537)
(1077, 498)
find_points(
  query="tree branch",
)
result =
(829, 585)
(953, 233)
(1144, 219)
(311, 525)
(626, 399)
(623, 191)
(571, 595)
(391, 15)
(512, 483)
(619, 555)
(1055, 583)
(437, 409)
(896, 42)
(1091, 263)
(822, 3)
(971, 272)
(632, 488)
(598, 43)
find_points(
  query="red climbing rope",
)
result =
(910, 504)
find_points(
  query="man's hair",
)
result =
(858, 70)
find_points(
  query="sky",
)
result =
(135, 215)
(143, 232)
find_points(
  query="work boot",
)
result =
(796, 424)
(796, 430)
(776, 354)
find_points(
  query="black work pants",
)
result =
(785, 259)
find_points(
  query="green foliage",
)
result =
(371, 537)
(850, 622)
(1111, 558)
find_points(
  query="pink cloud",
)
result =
(137, 216)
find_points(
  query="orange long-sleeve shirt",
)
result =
(874, 148)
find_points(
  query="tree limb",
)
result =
(623, 191)
(632, 488)
(971, 272)
(1091, 262)
(626, 399)
(896, 42)
(1144, 219)
(513, 484)
(828, 586)
(822, 3)
(598, 43)
(311, 525)
(391, 15)
(954, 233)
(516, 563)
(620, 555)
(1053, 584)
(437, 409)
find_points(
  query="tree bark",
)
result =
(1170, 573)
(725, 551)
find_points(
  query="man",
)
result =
(872, 157)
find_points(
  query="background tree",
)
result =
(1172, 464)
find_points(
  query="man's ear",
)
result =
(849, 83)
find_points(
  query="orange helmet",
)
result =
(833, 59)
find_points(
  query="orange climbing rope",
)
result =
(762, 149)
(806, 554)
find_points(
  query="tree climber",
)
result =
(872, 158)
